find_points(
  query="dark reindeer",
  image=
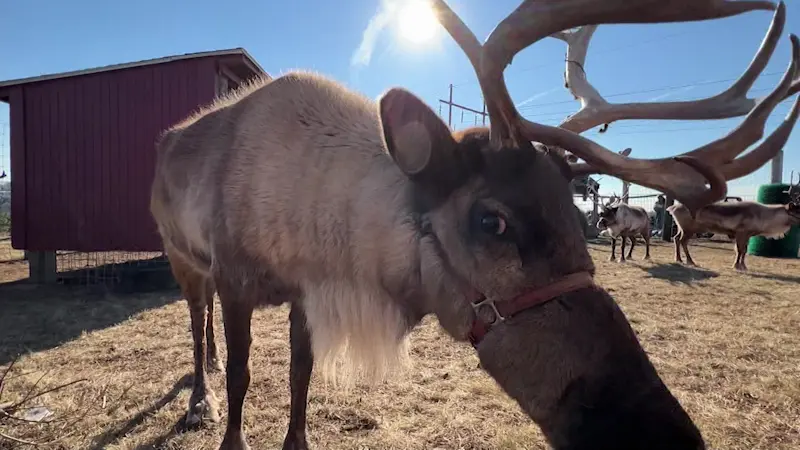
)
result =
(739, 220)
(367, 216)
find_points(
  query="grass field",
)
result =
(726, 343)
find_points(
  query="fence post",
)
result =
(666, 227)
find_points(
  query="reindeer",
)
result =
(625, 221)
(366, 216)
(739, 220)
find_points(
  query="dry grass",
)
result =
(726, 343)
(7, 253)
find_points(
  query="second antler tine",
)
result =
(765, 151)
(751, 129)
(762, 56)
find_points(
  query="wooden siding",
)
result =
(83, 152)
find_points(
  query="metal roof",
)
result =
(146, 62)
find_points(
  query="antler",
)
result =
(596, 110)
(684, 176)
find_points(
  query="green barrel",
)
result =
(787, 247)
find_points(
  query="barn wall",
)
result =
(89, 154)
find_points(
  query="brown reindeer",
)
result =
(739, 220)
(366, 216)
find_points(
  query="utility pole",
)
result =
(451, 105)
(777, 168)
(450, 108)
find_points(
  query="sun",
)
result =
(416, 21)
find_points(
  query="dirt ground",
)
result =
(726, 343)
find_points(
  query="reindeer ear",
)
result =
(419, 141)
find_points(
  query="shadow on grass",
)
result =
(679, 273)
(37, 317)
(776, 277)
(117, 433)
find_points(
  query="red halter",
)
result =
(534, 297)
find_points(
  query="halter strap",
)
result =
(528, 299)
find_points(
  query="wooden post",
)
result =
(484, 113)
(626, 187)
(666, 227)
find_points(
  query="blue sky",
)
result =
(669, 61)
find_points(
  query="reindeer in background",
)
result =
(622, 220)
(367, 216)
(739, 220)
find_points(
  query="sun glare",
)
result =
(417, 22)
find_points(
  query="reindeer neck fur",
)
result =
(291, 184)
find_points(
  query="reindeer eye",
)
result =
(493, 224)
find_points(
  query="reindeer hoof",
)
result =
(214, 365)
(647, 258)
(295, 444)
(234, 441)
(612, 259)
(206, 408)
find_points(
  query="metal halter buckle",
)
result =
(491, 303)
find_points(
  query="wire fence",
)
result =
(138, 270)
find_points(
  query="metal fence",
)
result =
(126, 268)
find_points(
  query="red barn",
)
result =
(82, 146)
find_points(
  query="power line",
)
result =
(660, 89)
(473, 82)
(562, 113)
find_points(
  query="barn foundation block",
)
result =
(42, 267)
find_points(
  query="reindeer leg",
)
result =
(203, 404)
(677, 241)
(633, 244)
(647, 246)
(302, 363)
(237, 311)
(613, 249)
(684, 243)
(622, 253)
(213, 362)
(741, 249)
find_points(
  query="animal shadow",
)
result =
(679, 273)
(114, 434)
(776, 277)
(36, 318)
